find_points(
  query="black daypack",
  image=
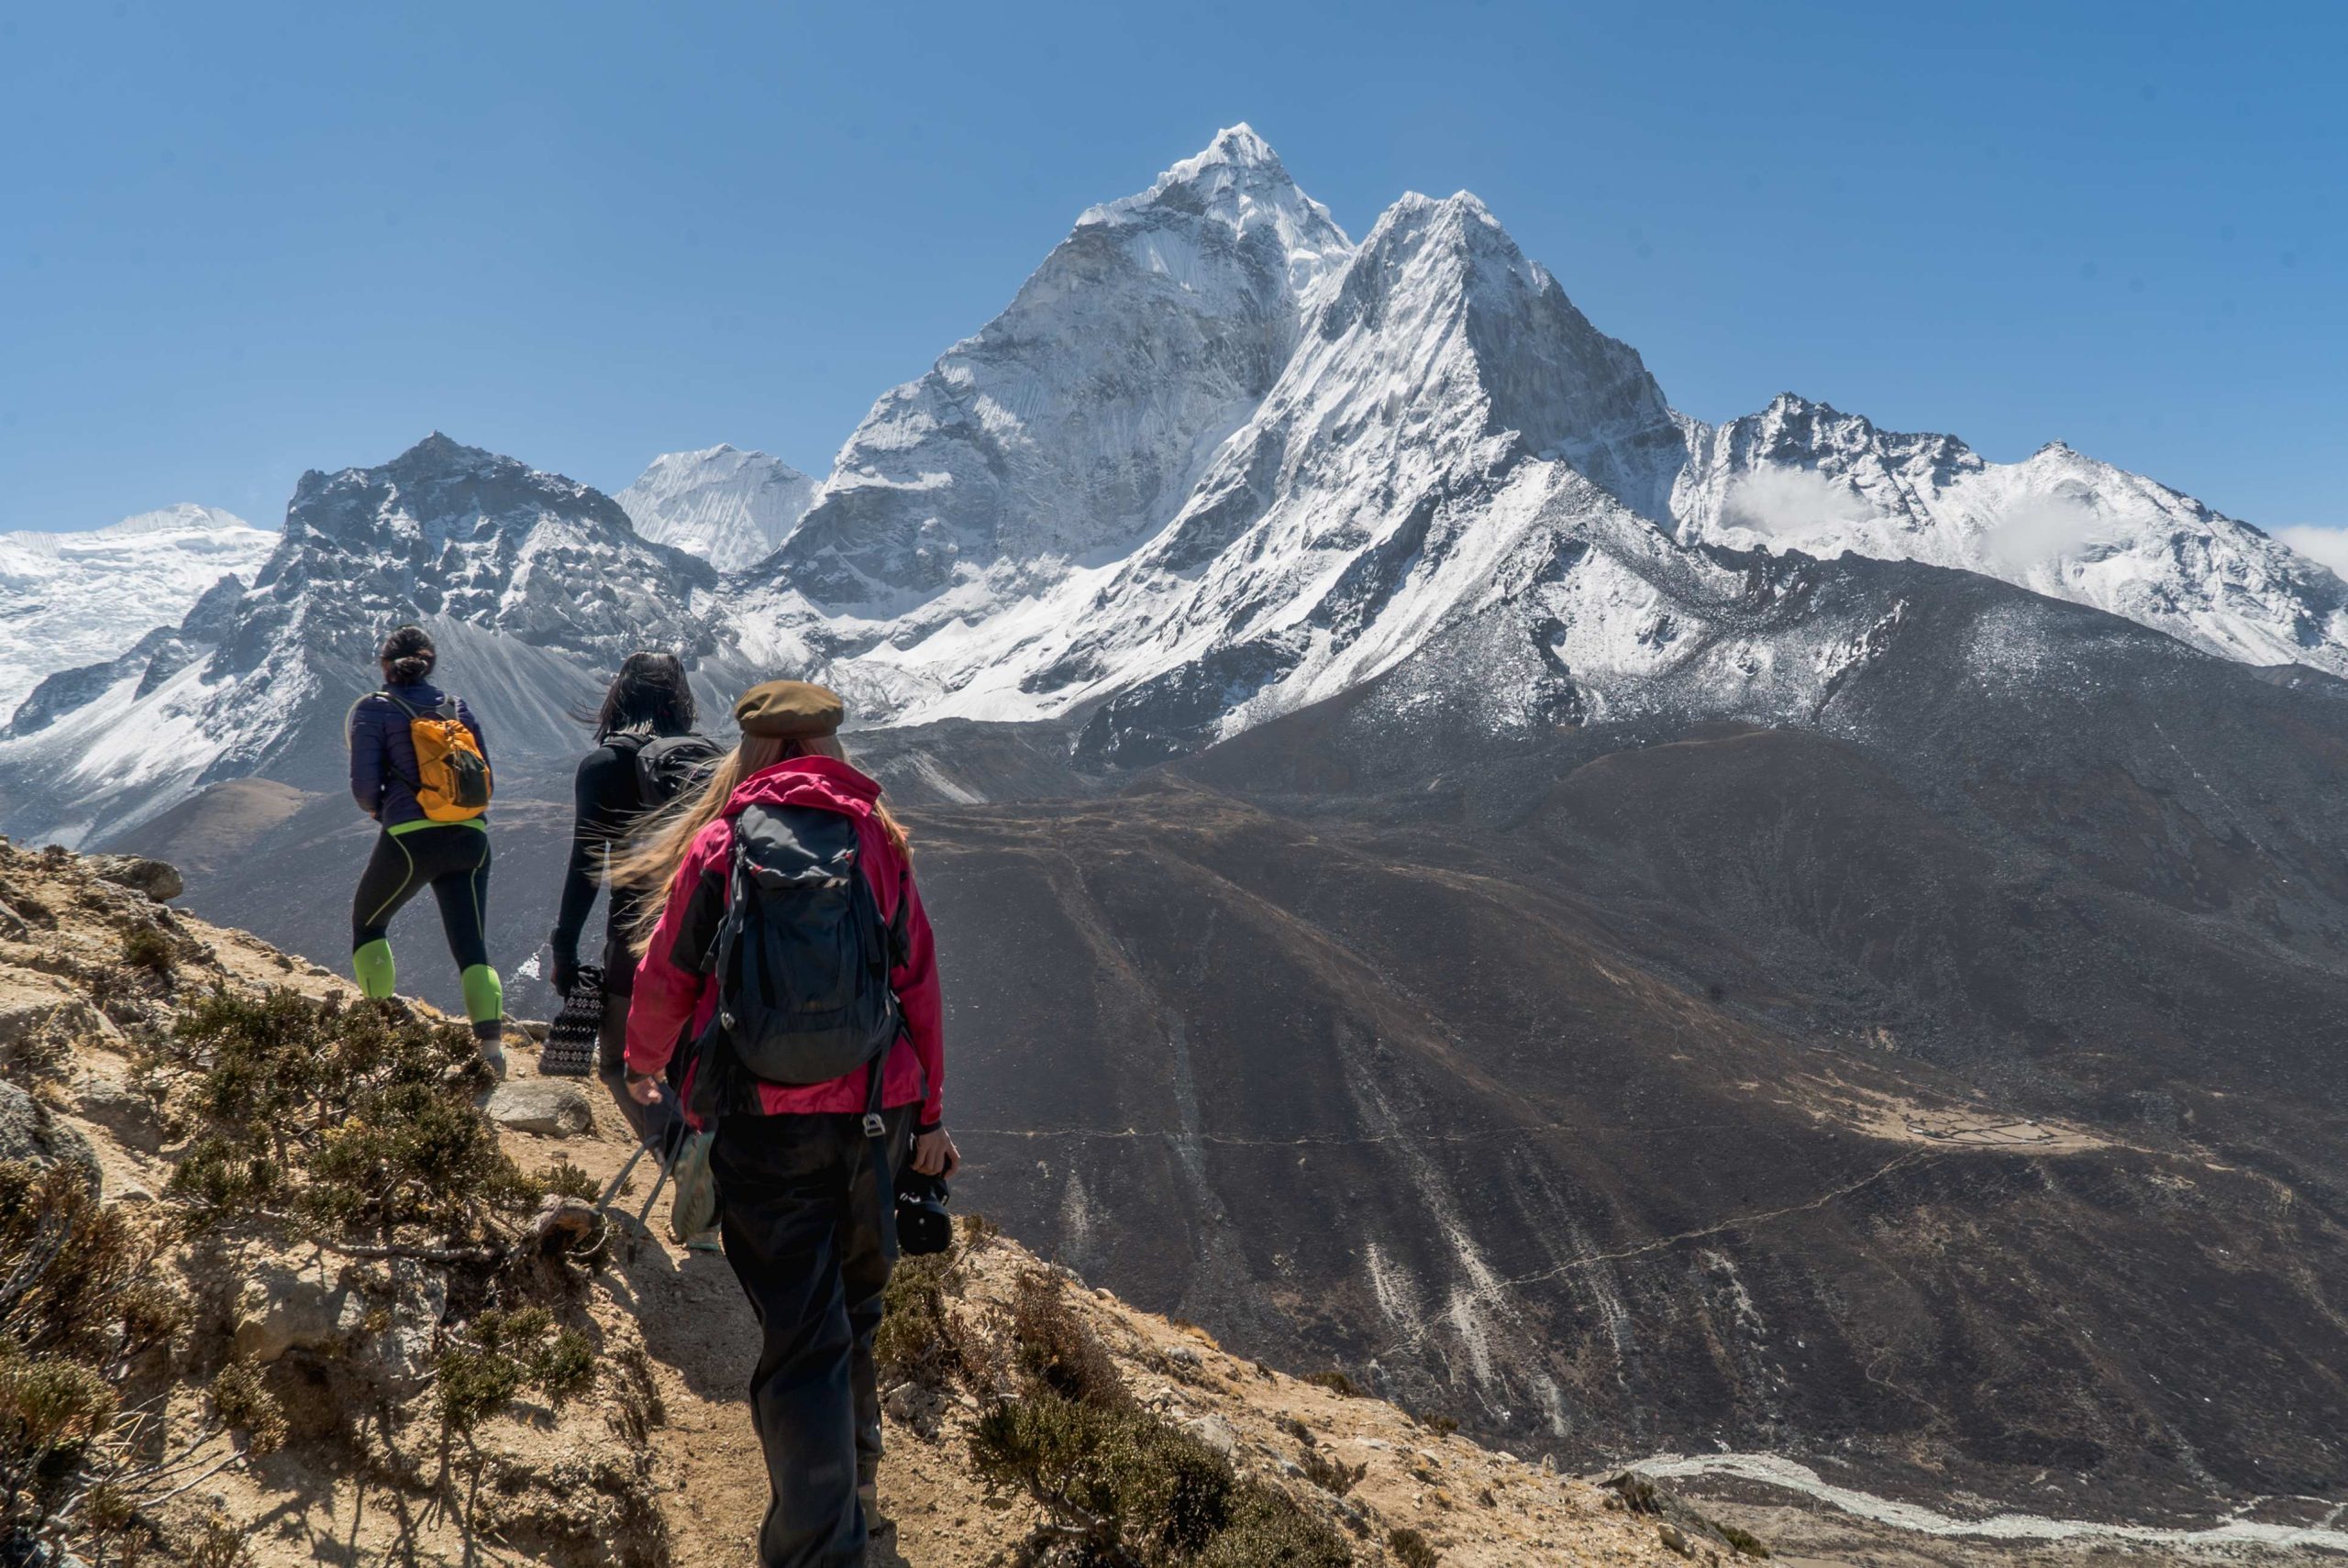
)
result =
(666, 765)
(802, 958)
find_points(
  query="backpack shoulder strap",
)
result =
(408, 708)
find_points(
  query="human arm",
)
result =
(921, 1003)
(367, 759)
(672, 975)
(599, 810)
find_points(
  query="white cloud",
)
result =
(2325, 546)
(1787, 504)
(2042, 529)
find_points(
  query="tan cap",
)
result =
(788, 710)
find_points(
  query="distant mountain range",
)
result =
(1216, 462)
(72, 600)
(1781, 935)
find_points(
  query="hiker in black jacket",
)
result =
(646, 753)
(432, 835)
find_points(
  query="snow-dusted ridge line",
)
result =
(1774, 1470)
(67, 599)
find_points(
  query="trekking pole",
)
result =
(613, 1190)
(643, 1215)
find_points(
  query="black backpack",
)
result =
(803, 957)
(666, 765)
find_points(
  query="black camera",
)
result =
(922, 1224)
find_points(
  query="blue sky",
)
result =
(242, 241)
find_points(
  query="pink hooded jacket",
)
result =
(674, 1000)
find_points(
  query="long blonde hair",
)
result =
(658, 844)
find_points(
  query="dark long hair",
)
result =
(650, 693)
(411, 655)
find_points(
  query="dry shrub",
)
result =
(1331, 1476)
(917, 1340)
(1057, 1352)
(1122, 1485)
(1337, 1382)
(358, 1121)
(1411, 1549)
(79, 1309)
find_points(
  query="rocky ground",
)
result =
(654, 1463)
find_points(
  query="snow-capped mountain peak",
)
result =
(533, 584)
(1239, 182)
(1074, 424)
(74, 599)
(728, 506)
(1804, 476)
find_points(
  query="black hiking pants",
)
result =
(812, 1242)
(452, 859)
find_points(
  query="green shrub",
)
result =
(150, 948)
(916, 1340)
(357, 1120)
(1267, 1530)
(1331, 1476)
(1122, 1477)
(503, 1352)
(1122, 1485)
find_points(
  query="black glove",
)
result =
(566, 972)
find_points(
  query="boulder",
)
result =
(542, 1105)
(158, 880)
(1215, 1432)
(127, 1114)
(392, 1331)
(27, 1131)
(289, 1304)
(49, 1018)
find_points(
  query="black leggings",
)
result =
(452, 859)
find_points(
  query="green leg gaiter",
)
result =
(372, 964)
(485, 997)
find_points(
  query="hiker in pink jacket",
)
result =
(783, 938)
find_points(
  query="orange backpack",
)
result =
(453, 776)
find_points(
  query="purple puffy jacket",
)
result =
(383, 757)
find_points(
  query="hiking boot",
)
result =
(493, 1056)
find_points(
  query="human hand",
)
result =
(645, 1090)
(566, 974)
(935, 1153)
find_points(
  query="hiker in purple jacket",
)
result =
(414, 852)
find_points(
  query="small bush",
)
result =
(1122, 1485)
(916, 1340)
(1331, 1476)
(1442, 1426)
(1337, 1382)
(150, 948)
(77, 1310)
(1411, 1549)
(1056, 1351)
(1267, 1530)
(1121, 1477)
(501, 1353)
(241, 1402)
(358, 1121)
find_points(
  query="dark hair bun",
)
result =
(410, 654)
